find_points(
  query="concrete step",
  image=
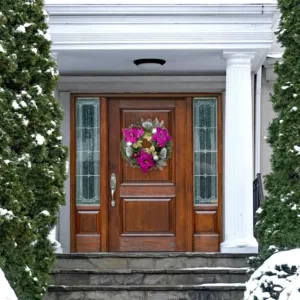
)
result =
(188, 276)
(147, 292)
(96, 261)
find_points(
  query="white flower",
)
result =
(280, 121)
(147, 124)
(280, 134)
(295, 108)
(34, 50)
(155, 157)
(128, 144)
(154, 130)
(295, 95)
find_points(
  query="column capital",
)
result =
(238, 57)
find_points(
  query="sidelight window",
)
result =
(87, 151)
(205, 151)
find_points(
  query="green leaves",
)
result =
(32, 158)
(279, 223)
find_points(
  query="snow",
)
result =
(297, 148)
(39, 139)
(23, 103)
(25, 122)
(15, 105)
(21, 29)
(7, 214)
(46, 35)
(50, 131)
(52, 71)
(39, 89)
(259, 211)
(45, 213)
(271, 276)
(2, 49)
(7, 293)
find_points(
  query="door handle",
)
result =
(113, 185)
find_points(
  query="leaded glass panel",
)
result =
(205, 151)
(87, 151)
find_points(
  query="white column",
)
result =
(238, 173)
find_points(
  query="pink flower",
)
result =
(161, 136)
(138, 132)
(145, 160)
(132, 134)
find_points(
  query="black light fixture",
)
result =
(149, 64)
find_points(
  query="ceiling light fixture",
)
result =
(149, 64)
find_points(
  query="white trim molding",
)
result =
(145, 27)
(238, 206)
(141, 84)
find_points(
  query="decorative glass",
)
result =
(205, 151)
(87, 151)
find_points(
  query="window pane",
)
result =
(87, 151)
(205, 151)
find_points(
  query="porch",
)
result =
(212, 53)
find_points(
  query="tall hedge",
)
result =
(278, 226)
(32, 158)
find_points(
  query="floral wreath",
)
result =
(146, 145)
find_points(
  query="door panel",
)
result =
(150, 208)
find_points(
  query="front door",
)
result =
(178, 208)
(150, 208)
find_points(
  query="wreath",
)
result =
(146, 145)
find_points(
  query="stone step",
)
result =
(190, 276)
(149, 260)
(147, 292)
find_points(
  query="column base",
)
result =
(240, 246)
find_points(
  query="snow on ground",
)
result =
(7, 292)
(278, 278)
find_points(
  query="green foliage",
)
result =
(278, 226)
(32, 158)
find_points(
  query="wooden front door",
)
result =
(176, 209)
(150, 210)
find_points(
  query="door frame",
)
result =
(104, 172)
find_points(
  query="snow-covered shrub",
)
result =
(7, 293)
(277, 279)
(278, 222)
(32, 158)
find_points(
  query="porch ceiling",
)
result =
(105, 39)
